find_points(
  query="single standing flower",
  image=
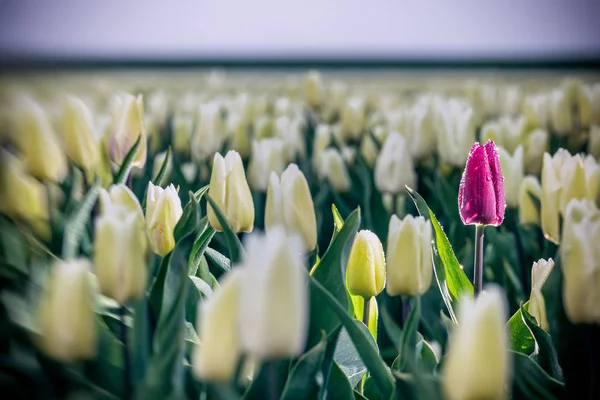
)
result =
(366, 266)
(163, 211)
(481, 200)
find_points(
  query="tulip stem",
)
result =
(394, 204)
(478, 273)
(126, 366)
(366, 309)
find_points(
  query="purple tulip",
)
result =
(481, 198)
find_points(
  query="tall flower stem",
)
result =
(478, 273)
(126, 363)
(365, 320)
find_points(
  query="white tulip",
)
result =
(394, 167)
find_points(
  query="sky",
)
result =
(298, 29)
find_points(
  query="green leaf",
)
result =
(408, 340)
(519, 335)
(218, 259)
(158, 179)
(330, 272)
(201, 286)
(190, 220)
(200, 246)
(532, 382)
(303, 381)
(236, 250)
(347, 358)
(393, 330)
(544, 349)
(338, 386)
(158, 286)
(77, 220)
(451, 279)
(140, 348)
(165, 375)
(362, 339)
(125, 169)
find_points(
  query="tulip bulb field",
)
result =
(299, 235)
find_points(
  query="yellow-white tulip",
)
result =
(477, 365)
(127, 127)
(209, 132)
(536, 144)
(239, 133)
(289, 203)
(216, 358)
(274, 296)
(512, 170)
(120, 195)
(268, 155)
(23, 197)
(565, 177)
(394, 167)
(334, 170)
(365, 272)
(540, 271)
(229, 189)
(163, 210)
(323, 135)
(67, 323)
(353, 119)
(120, 253)
(77, 129)
(580, 262)
(529, 212)
(409, 262)
(536, 111)
(314, 90)
(182, 125)
(38, 145)
(455, 131)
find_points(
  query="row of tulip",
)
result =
(269, 312)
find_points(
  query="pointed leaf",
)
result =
(451, 279)
(77, 220)
(123, 173)
(236, 250)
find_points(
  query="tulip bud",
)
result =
(529, 212)
(394, 167)
(334, 170)
(120, 195)
(419, 130)
(511, 99)
(127, 127)
(369, 148)
(290, 130)
(540, 271)
(365, 272)
(289, 203)
(353, 119)
(216, 358)
(512, 170)
(580, 262)
(338, 91)
(240, 138)
(120, 253)
(535, 110)
(182, 125)
(409, 262)
(209, 132)
(274, 296)
(594, 141)
(268, 155)
(314, 91)
(229, 189)
(263, 127)
(190, 172)
(321, 142)
(78, 134)
(455, 131)
(23, 197)
(477, 365)
(66, 318)
(592, 178)
(481, 198)
(536, 145)
(163, 210)
(39, 148)
(563, 179)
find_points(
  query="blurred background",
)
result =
(300, 31)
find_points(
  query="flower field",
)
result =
(299, 235)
